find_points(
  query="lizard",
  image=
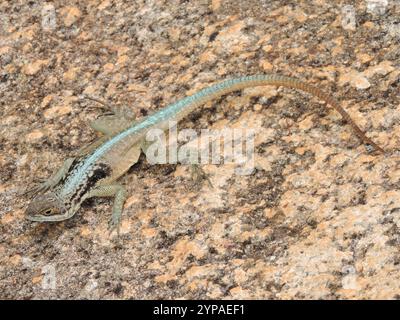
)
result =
(94, 170)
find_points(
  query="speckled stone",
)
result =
(318, 218)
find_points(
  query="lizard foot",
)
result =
(41, 186)
(114, 224)
(198, 175)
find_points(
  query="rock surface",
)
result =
(319, 218)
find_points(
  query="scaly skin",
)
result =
(93, 172)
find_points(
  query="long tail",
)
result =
(189, 103)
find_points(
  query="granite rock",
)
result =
(318, 218)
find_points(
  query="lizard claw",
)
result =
(108, 110)
(40, 180)
(41, 187)
(114, 224)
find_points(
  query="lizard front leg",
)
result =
(119, 193)
(54, 179)
(113, 121)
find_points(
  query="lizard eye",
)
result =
(48, 212)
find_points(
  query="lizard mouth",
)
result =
(44, 218)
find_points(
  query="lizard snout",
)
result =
(44, 207)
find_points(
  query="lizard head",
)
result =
(46, 207)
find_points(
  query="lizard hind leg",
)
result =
(199, 175)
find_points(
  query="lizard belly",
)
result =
(120, 161)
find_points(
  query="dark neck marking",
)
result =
(89, 180)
